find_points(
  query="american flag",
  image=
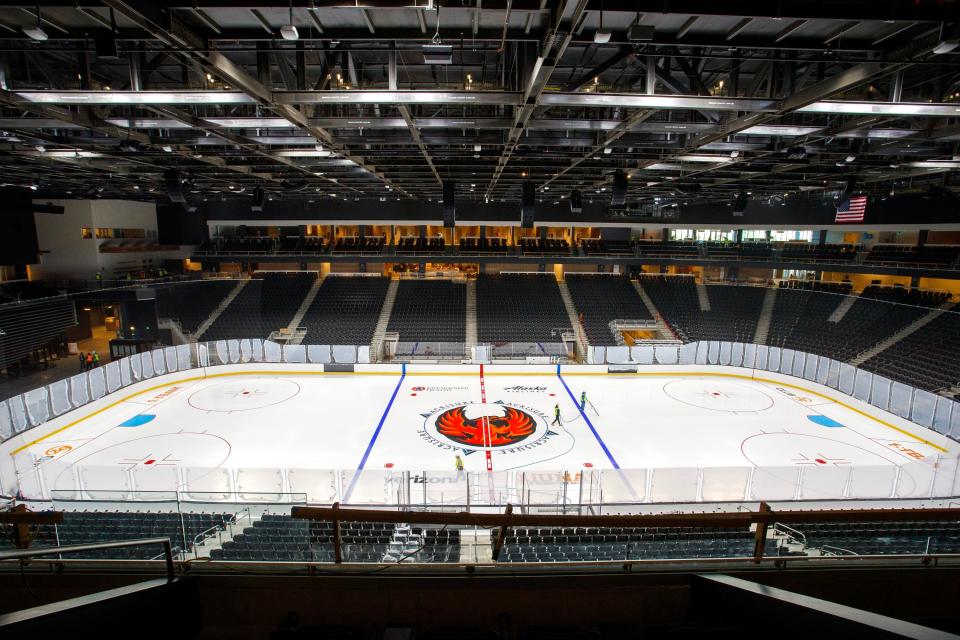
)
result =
(852, 209)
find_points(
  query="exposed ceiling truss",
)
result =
(700, 103)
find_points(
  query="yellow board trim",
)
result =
(473, 373)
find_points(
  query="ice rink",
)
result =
(495, 418)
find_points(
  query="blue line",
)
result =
(376, 434)
(589, 424)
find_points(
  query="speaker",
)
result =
(528, 206)
(740, 204)
(177, 189)
(619, 197)
(576, 201)
(449, 208)
(257, 204)
(851, 186)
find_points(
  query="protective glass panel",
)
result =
(880, 394)
(924, 404)
(824, 483)
(623, 486)
(736, 354)
(946, 477)
(371, 486)
(901, 396)
(271, 351)
(547, 487)
(18, 412)
(170, 357)
(256, 348)
(98, 385)
(294, 353)
(713, 352)
(159, 365)
(872, 481)
(847, 375)
(688, 354)
(112, 371)
(203, 354)
(319, 485)
(618, 355)
(246, 351)
(786, 361)
(207, 484)
(810, 368)
(833, 376)
(155, 480)
(28, 474)
(775, 483)
(146, 365)
(233, 346)
(319, 353)
(126, 377)
(862, 384)
(59, 398)
(596, 355)
(823, 370)
(79, 395)
(103, 482)
(916, 480)
(799, 363)
(135, 367)
(344, 353)
(6, 424)
(763, 357)
(644, 355)
(183, 357)
(723, 484)
(439, 488)
(749, 355)
(666, 355)
(8, 469)
(222, 352)
(38, 408)
(703, 352)
(941, 417)
(773, 359)
(363, 353)
(259, 485)
(674, 485)
(725, 349)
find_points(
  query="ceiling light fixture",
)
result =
(601, 36)
(289, 31)
(37, 34)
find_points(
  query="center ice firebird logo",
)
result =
(470, 427)
(491, 431)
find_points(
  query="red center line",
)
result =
(487, 436)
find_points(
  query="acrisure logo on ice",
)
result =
(440, 388)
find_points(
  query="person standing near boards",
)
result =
(583, 400)
(83, 361)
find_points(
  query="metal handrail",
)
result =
(831, 548)
(790, 532)
(76, 548)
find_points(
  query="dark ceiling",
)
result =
(711, 99)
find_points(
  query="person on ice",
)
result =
(583, 400)
(556, 415)
(458, 463)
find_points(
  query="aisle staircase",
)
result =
(703, 298)
(376, 344)
(766, 315)
(662, 327)
(307, 301)
(919, 323)
(471, 310)
(220, 309)
(842, 309)
(583, 344)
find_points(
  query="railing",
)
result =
(80, 548)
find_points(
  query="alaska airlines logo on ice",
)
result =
(522, 389)
(470, 427)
